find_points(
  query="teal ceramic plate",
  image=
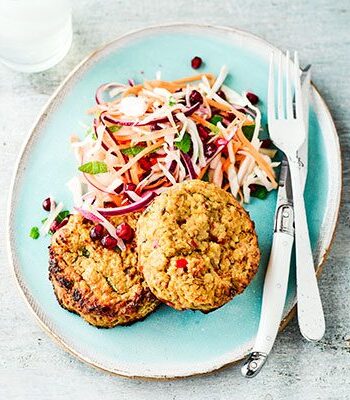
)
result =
(168, 343)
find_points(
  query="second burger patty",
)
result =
(103, 286)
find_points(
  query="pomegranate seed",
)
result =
(96, 232)
(47, 204)
(253, 98)
(153, 160)
(119, 189)
(195, 97)
(196, 62)
(230, 117)
(109, 204)
(181, 263)
(155, 127)
(266, 143)
(203, 132)
(109, 242)
(54, 226)
(209, 149)
(242, 110)
(62, 223)
(221, 142)
(130, 186)
(221, 94)
(145, 164)
(125, 232)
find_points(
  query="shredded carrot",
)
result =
(202, 121)
(116, 199)
(225, 164)
(258, 158)
(124, 146)
(240, 158)
(134, 175)
(161, 182)
(224, 107)
(211, 78)
(226, 186)
(132, 90)
(142, 153)
(203, 171)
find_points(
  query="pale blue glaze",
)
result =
(166, 337)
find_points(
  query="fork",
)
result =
(287, 131)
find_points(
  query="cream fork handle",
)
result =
(310, 312)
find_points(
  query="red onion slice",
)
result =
(138, 205)
(121, 122)
(88, 215)
(189, 166)
(102, 88)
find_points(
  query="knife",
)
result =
(276, 278)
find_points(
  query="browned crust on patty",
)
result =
(207, 227)
(102, 286)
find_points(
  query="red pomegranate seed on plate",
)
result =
(253, 98)
(203, 132)
(145, 164)
(130, 186)
(195, 97)
(96, 232)
(221, 94)
(109, 242)
(209, 149)
(125, 232)
(48, 203)
(196, 62)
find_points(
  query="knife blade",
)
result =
(303, 151)
(276, 278)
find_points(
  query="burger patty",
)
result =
(197, 246)
(103, 286)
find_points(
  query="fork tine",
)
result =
(280, 106)
(297, 84)
(271, 91)
(289, 101)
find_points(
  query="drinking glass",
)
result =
(34, 34)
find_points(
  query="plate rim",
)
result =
(34, 133)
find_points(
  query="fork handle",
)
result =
(310, 312)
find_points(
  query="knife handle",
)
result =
(274, 295)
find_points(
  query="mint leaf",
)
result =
(172, 101)
(62, 215)
(248, 131)
(91, 132)
(43, 220)
(214, 128)
(260, 192)
(114, 128)
(215, 119)
(133, 151)
(34, 232)
(94, 167)
(184, 144)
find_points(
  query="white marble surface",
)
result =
(32, 366)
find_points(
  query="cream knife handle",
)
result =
(274, 296)
(310, 312)
(275, 290)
